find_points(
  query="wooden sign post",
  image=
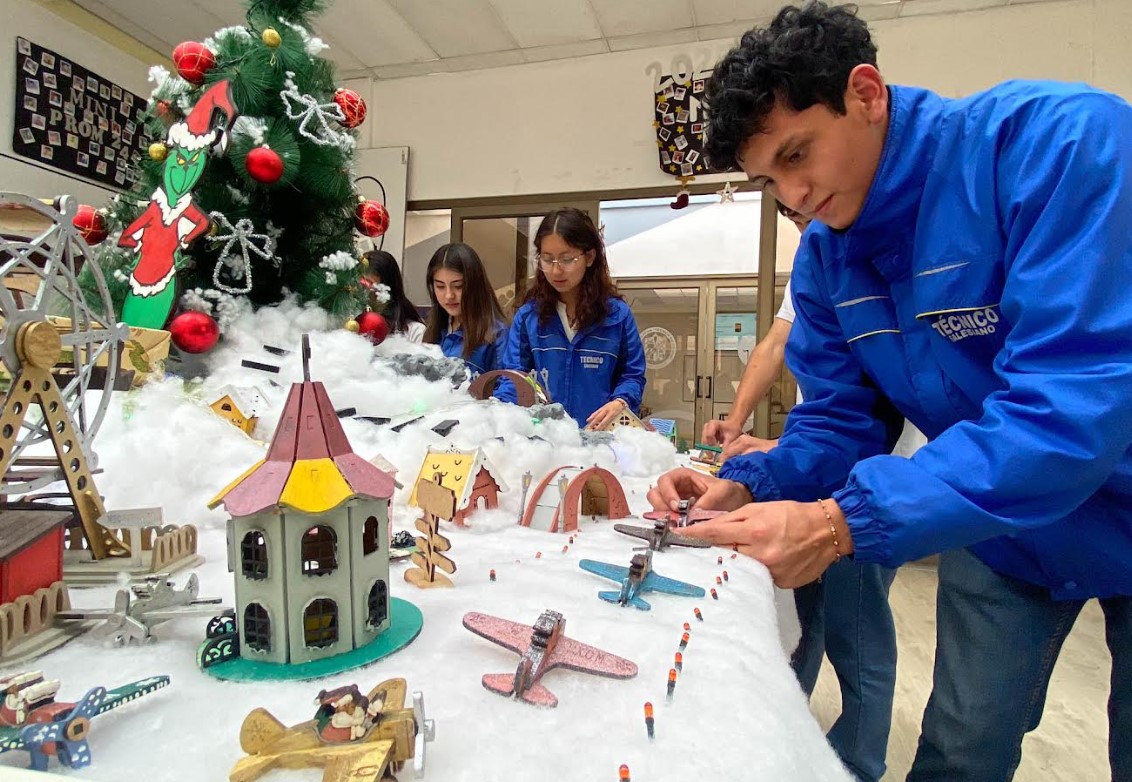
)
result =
(438, 503)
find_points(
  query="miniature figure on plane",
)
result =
(352, 736)
(32, 720)
(636, 580)
(542, 647)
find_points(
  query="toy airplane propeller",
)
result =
(684, 516)
(637, 579)
(352, 736)
(660, 536)
(32, 720)
(543, 647)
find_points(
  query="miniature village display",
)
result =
(542, 648)
(308, 542)
(467, 474)
(565, 493)
(240, 407)
(33, 721)
(352, 736)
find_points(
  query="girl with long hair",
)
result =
(466, 319)
(574, 330)
(399, 312)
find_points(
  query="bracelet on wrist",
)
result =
(832, 531)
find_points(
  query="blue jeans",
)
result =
(997, 639)
(846, 617)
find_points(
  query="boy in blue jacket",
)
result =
(969, 272)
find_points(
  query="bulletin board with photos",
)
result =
(74, 120)
(680, 123)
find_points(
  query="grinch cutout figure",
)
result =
(172, 221)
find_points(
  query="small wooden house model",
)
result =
(468, 474)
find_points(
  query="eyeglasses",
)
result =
(546, 263)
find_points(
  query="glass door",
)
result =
(669, 319)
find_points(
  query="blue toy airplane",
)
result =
(637, 579)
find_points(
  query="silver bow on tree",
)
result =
(239, 265)
(307, 109)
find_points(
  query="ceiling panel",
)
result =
(548, 22)
(565, 51)
(374, 33)
(167, 24)
(474, 62)
(456, 27)
(646, 40)
(631, 17)
(726, 11)
(920, 7)
(731, 30)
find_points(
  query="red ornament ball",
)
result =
(264, 165)
(352, 105)
(90, 223)
(373, 326)
(193, 60)
(194, 332)
(371, 218)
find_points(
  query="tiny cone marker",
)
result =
(714, 594)
(650, 724)
(491, 574)
(725, 578)
(684, 641)
(679, 662)
(565, 549)
(623, 773)
(718, 581)
(671, 682)
(571, 540)
(719, 561)
(538, 555)
(698, 614)
(734, 555)
(687, 627)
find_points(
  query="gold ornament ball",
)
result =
(271, 38)
(158, 151)
(352, 325)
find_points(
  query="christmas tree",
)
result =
(247, 192)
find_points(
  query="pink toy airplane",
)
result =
(684, 518)
(543, 648)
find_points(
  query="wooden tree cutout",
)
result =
(438, 503)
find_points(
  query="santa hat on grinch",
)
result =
(202, 127)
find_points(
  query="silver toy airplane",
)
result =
(153, 603)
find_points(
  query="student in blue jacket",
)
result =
(574, 330)
(466, 319)
(968, 270)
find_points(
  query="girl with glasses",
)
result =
(466, 319)
(574, 330)
(381, 269)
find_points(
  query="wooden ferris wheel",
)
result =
(53, 341)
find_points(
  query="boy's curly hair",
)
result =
(803, 58)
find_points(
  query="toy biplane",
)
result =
(352, 736)
(542, 647)
(32, 720)
(636, 580)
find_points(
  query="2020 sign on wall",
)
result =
(69, 118)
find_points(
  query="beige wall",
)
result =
(584, 124)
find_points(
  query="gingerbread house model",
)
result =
(468, 474)
(308, 539)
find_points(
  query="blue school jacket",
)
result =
(484, 358)
(603, 362)
(983, 293)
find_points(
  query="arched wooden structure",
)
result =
(590, 491)
(526, 395)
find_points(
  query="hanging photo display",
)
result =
(74, 120)
(679, 123)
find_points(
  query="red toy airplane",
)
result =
(543, 648)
